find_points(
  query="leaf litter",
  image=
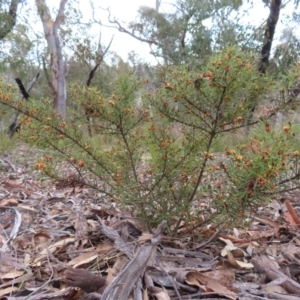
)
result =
(62, 242)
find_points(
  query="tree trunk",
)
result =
(56, 60)
(9, 18)
(157, 5)
(267, 43)
(269, 34)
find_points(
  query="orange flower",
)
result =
(119, 176)
(163, 145)
(210, 155)
(81, 163)
(239, 158)
(261, 181)
(286, 128)
(41, 166)
(152, 127)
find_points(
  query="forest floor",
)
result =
(68, 243)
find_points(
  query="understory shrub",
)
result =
(156, 155)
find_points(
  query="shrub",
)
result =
(157, 157)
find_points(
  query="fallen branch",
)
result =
(265, 265)
(127, 279)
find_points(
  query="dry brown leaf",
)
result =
(297, 241)
(26, 208)
(83, 259)
(27, 259)
(104, 248)
(232, 261)
(232, 238)
(52, 248)
(9, 202)
(236, 263)
(254, 235)
(12, 274)
(145, 237)
(268, 222)
(289, 219)
(225, 277)
(244, 265)
(210, 283)
(145, 294)
(93, 225)
(292, 212)
(40, 239)
(162, 296)
(274, 288)
(81, 228)
(230, 247)
(9, 184)
(110, 275)
(120, 263)
(258, 234)
(8, 290)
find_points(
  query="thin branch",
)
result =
(48, 76)
(92, 73)
(22, 88)
(60, 14)
(91, 76)
(33, 81)
(124, 30)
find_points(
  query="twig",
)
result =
(172, 279)
(122, 29)
(45, 283)
(209, 240)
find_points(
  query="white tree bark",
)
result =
(56, 60)
(157, 5)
